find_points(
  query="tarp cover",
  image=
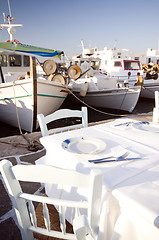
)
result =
(28, 49)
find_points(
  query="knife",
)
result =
(116, 160)
(99, 159)
(122, 124)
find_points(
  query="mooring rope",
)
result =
(97, 110)
(31, 144)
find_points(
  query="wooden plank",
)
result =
(33, 75)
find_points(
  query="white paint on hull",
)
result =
(49, 99)
(123, 98)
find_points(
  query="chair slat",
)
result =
(32, 214)
(52, 233)
(62, 219)
(46, 216)
(60, 114)
(38, 174)
(54, 201)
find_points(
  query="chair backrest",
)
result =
(13, 175)
(60, 114)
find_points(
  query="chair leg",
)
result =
(82, 229)
(155, 115)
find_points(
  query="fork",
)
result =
(101, 159)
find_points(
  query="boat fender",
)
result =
(84, 89)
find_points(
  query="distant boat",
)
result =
(151, 78)
(105, 92)
(113, 63)
(110, 83)
(23, 97)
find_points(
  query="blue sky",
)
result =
(61, 24)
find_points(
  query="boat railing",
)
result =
(129, 78)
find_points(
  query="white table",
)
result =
(130, 198)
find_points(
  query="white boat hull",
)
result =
(48, 99)
(149, 88)
(124, 99)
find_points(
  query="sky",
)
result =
(62, 24)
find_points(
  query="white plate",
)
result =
(84, 145)
(146, 126)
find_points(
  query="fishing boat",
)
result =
(105, 92)
(112, 62)
(108, 83)
(23, 96)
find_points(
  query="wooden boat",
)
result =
(110, 83)
(105, 92)
(22, 98)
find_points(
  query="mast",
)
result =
(9, 25)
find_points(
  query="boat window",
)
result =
(26, 61)
(3, 60)
(149, 60)
(117, 64)
(131, 65)
(15, 60)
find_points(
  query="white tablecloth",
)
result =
(130, 198)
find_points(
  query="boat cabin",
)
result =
(129, 69)
(13, 64)
(152, 56)
(93, 62)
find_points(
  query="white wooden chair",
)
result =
(85, 226)
(156, 108)
(60, 114)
